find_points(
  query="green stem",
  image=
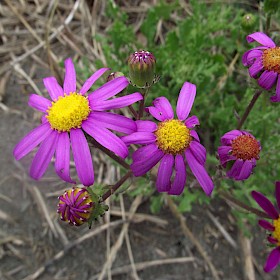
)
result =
(142, 104)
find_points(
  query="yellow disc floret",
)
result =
(69, 111)
(173, 137)
(276, 232)
(271, 59)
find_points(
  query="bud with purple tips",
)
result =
(142, 66)
(75, 206)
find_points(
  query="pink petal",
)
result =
(256, 67)
(266, 225)
(106, 138)
(276, 97)
(277, 193)
(53, 88)
(267, 79)
(82, 157)
(144, 153)
(164, 106)
(62, 157)
(200, 173)
(141, 138)
(229, 136)
(147, 126)
(156, 113)
(109, 89)
(249, 57)
(114, 121)
(246, 170)
(31, 140)
(261, 38)
(195, 135)
(192, 121)
(273, 260)
(69, 84)
(92, 79)
(39, 103)
(185, 100)
(198, 151)
(43, 156)
(224, 155)
(179, 182)
(234, 172)
(116, 103)
(165, 170)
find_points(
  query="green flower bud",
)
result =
(248, 22)
(142, 66)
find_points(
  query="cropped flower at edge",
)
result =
(274, 228)
(243, 149)
(170, 142)
(264, 63)
(69, 114)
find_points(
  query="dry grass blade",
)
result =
(6, 217)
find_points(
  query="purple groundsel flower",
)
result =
(69, 114)
(243, 149)
(264, 63)
(170, 142)
(274, 238)
(75, 206)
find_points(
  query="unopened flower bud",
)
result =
(142, 66)
(248, 22)
(114, 75)
(75, 206)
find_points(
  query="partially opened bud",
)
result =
(142, 66)
(75, 206)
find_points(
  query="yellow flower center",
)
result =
(173, 137)
(271, 59)
(276, 232)
(245, 147)
(69, 111)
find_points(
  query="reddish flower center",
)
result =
(271, 59)
(245, 147)
(276, 232)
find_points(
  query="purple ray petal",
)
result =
(256, 67)
(265, 204)
(236, 169)
(69, 84)
(272, 240)
(200, 173)
(62, 157)
(185, 100)
(156, 113)
(261, 38)
(277, 193)
(164, 107)
(266, 225)
(276, 97)
(229, 136)
(53, 88)
(144, 152)
(43, 156)
(147, 126)
(39, 103)
(116, 103)
(179, 182)
(272, 260)
(198, 151)
(224, 155)
(267, 79)
(82, 157)
(141, 138)
(165, 170)
(192, 121)
(31, 140)
(249, 56)
(92, 79)
(245, 171)
(140, 168)
(106, 138)
(109, 89)
(114, 121)
(195, 135)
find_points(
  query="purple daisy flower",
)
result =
(75, 206)
(274, 257)
(67, 116)
(243, 149)
(172, 142)
(264, 63)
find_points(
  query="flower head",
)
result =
(243, 149)
(141, 67)
(75, 206)
(274, 228)
(264, 63)
(172, 142)
(68, 115)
